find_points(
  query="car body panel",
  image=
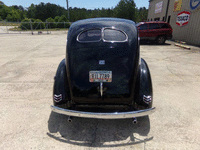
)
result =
(89, 50)
(120, 57)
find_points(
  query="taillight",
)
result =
(171, 30)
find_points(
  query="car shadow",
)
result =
(98, 132)
(153, 43)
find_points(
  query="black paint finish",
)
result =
(143, 85)
(61, 85)
(122, 58)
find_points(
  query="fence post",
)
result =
(31, 27)
(7, 30)
(47, 27)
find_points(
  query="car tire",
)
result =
(160, 40)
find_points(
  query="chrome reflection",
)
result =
(101, 88)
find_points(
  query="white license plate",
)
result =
(100, 76)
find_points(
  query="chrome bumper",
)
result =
(116, 115)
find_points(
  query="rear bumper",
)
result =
(116, 115)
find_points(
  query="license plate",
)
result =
(100, 76)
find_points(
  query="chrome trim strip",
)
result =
(102, 35)
(113, 28)
(101, 88)
(77, 38)
(116, 115)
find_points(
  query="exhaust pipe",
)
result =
(134, 120)
(69, 119)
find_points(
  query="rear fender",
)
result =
(61, 87)
(144, 90)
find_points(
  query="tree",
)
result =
(31, 11)
(126, 9)
(15, 15)
(142, 14)
(9, 17)
(4, 11)
(63, 22)
(1, 3)
(21, 8)
(56, 18)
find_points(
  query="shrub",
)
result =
(63, 22)
(57, 18)
(25, 25)
(9, 18)
(51, 25)
(38, 24)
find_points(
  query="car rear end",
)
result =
(98, 77)
(102, 66)
(166, 30)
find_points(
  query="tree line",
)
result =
(54, 13)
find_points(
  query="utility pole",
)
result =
(67, 8)
(167, 10)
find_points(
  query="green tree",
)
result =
(4, 11)
(142, 14)
(126, 9)
(15, 15)
(63, 22)
(57, 18)
(9, 18)
(31, 11)
(1, 3)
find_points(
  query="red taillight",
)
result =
(171, 30)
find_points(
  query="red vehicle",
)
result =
(158, 31)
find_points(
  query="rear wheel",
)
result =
(160, 40)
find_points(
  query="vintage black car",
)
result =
(103, 75)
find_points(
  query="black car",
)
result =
(103, 75)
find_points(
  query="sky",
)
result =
(88, 4)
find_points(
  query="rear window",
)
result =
(164, 25)
(143, 27)
(93, 35)
(111, 35)
(154, 26)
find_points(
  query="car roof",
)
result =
(77, 27)
(128, 26)
(103, 21)
(151, 22)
